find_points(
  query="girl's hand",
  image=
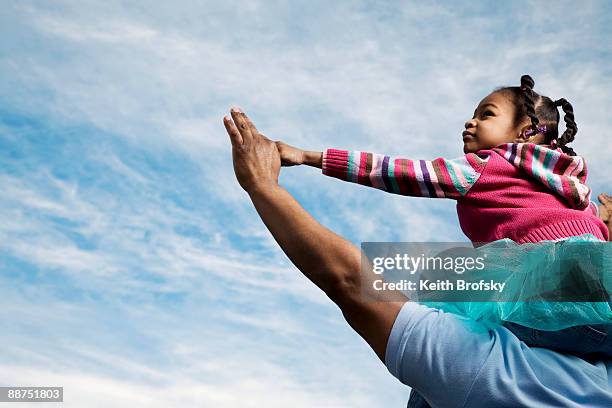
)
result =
(290, 156)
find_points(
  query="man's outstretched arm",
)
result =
(328, 260)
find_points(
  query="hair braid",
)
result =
(540, 109)
(527, 84)
(571, 128)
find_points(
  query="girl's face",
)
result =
(492, 125)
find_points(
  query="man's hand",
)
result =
(256, 158)
(605, 211)
(328, 260)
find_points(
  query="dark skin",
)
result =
(328, 260)
(605, 211)
(491, 125)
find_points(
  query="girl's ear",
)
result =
(521, 138)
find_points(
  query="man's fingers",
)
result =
(266, 138)
(604, 214)
(250, 124)
(234, 134)
(605, 209)
(242, 125)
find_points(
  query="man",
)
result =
(449, 360)
(605, 211)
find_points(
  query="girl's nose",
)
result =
(470, 123)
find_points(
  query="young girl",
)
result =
(516, 182)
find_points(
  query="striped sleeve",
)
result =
(438, 178)
(564, 174)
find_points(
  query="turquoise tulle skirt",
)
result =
(550, 285)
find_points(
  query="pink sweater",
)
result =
(522, 191)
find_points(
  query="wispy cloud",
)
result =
(134, 269)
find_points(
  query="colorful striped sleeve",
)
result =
(438, 178)
(564, 174)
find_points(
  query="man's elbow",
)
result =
(345, 281)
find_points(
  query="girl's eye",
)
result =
(488, 112)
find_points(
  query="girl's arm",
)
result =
(313, 159)
(438, 178)
(292, 156)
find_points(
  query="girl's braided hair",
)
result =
(542, 111)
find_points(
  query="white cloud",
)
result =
(141, 83)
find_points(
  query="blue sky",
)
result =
(133, 269)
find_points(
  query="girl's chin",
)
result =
(469, 147)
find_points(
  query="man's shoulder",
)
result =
(500, 367)
(551, 377)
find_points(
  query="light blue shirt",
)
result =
(457, 362)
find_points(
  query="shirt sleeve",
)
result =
(437, 353)
(454, 361)
(438, 178)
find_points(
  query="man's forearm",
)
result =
(328, 260)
